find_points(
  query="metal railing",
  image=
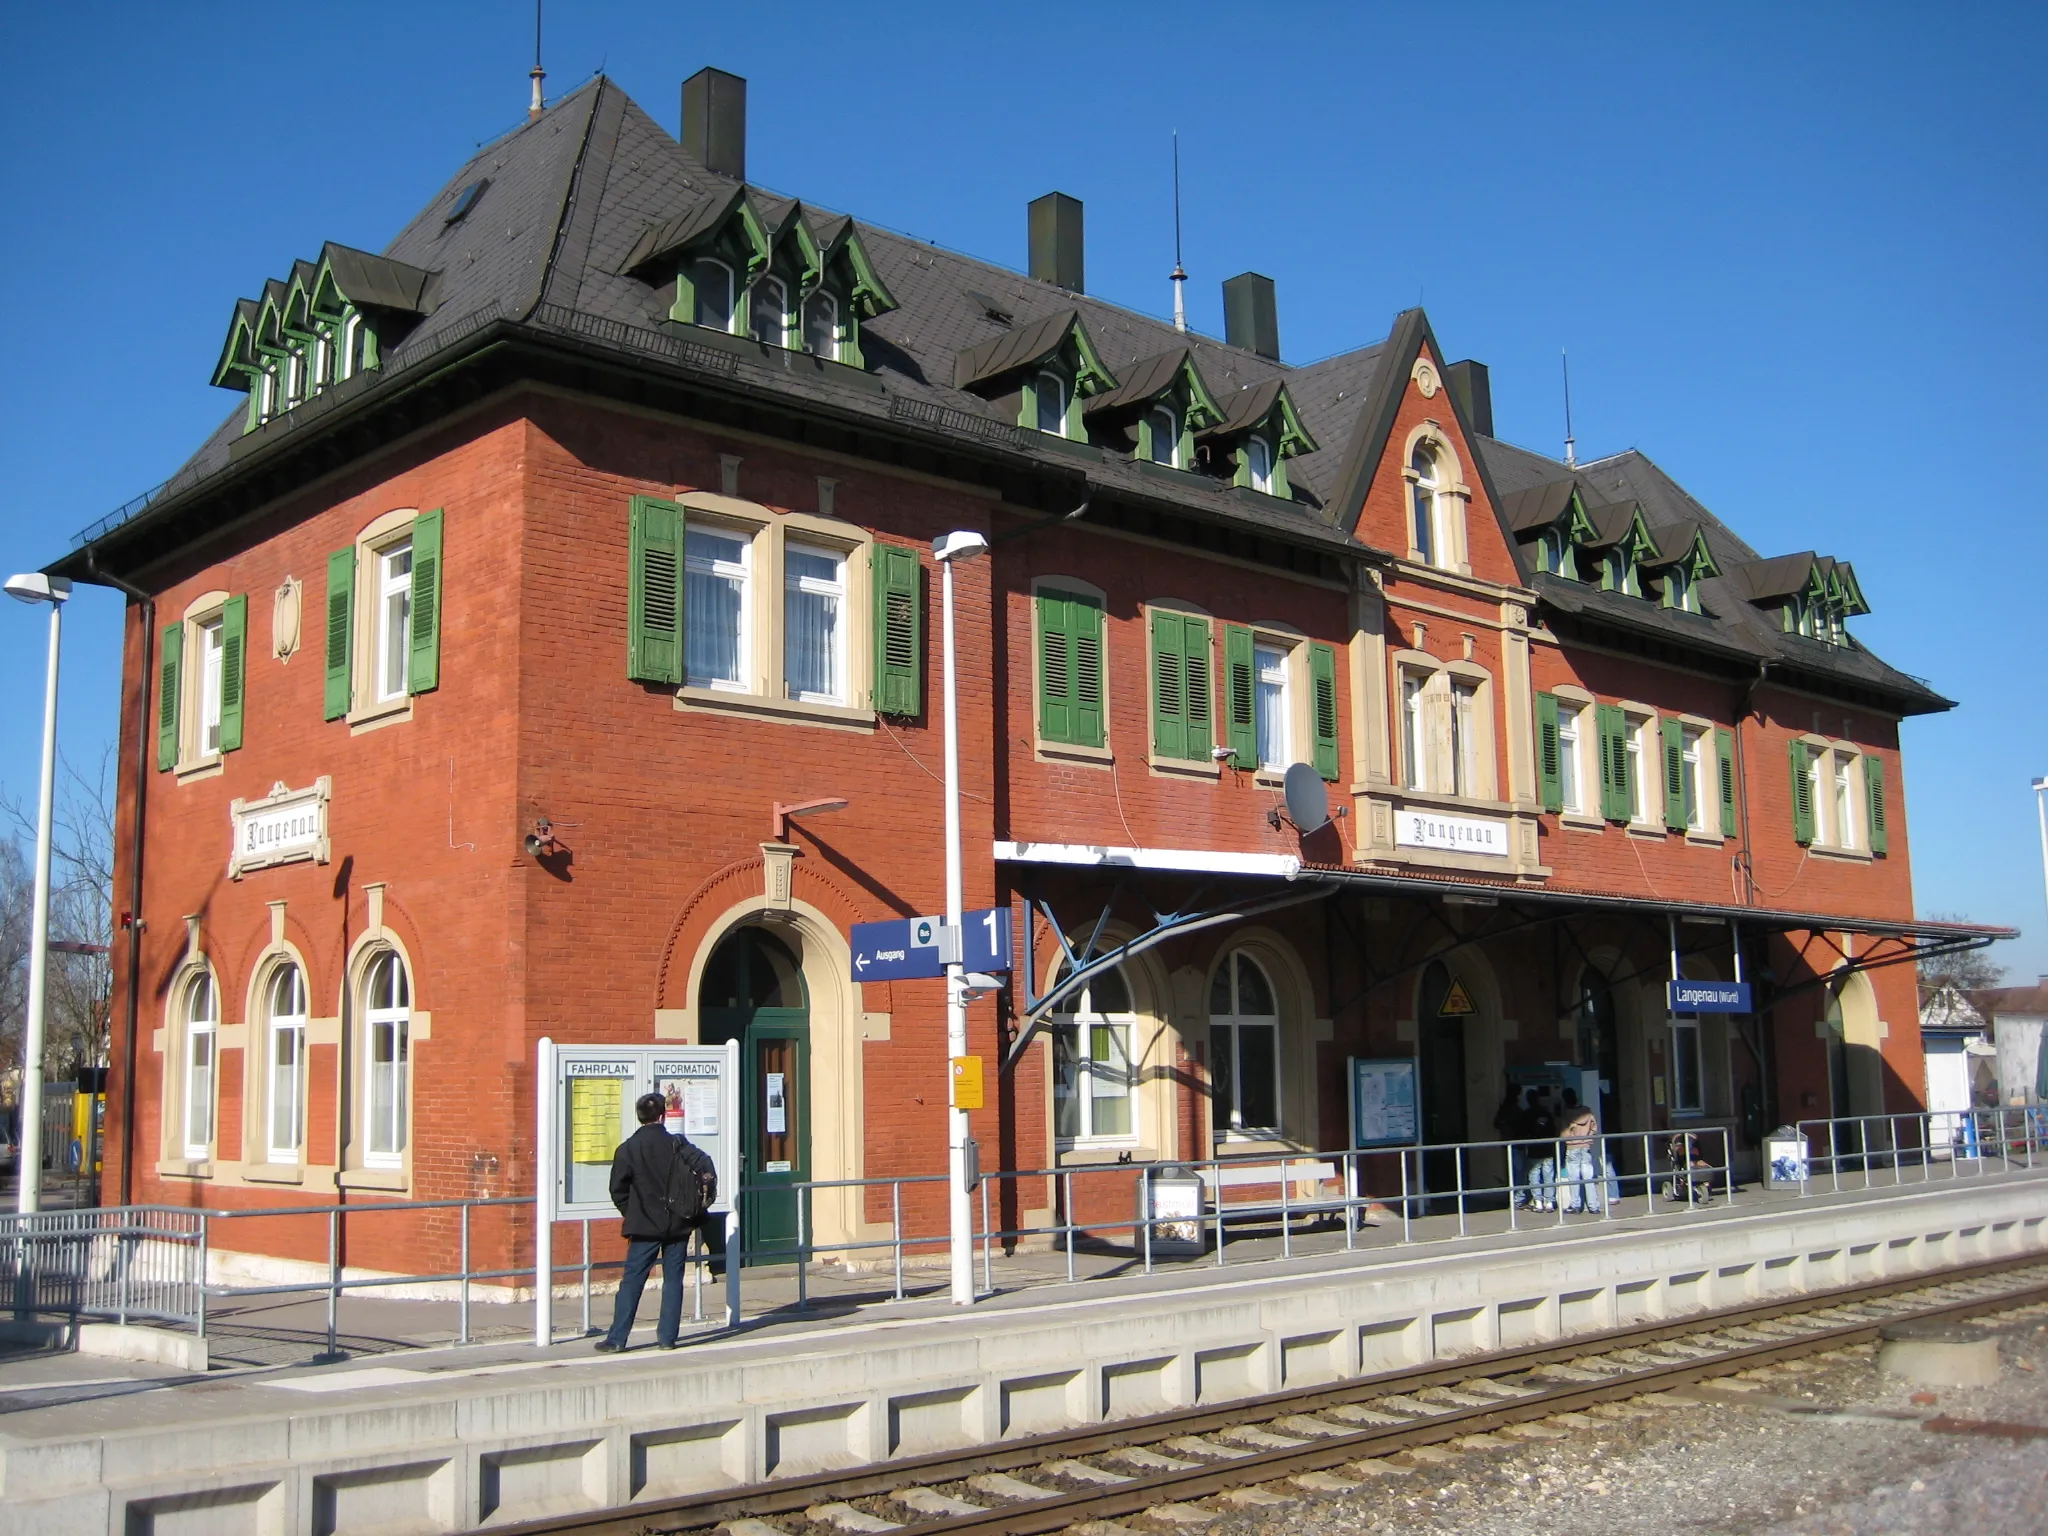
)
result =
(1850, 1152)
(118, 1262)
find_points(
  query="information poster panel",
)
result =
(1383, 1103)
(595, 1089)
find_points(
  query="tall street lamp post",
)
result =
(955, 546)
(2041, 805)
(35, 587)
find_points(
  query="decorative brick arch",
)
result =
(711, 909)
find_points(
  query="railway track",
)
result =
(1306, 1438)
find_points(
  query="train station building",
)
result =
(475, 664)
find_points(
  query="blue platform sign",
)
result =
(1709, 996)
(912, 948)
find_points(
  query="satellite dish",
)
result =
(1308, 804)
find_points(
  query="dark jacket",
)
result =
(661, 1184)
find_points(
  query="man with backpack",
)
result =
(662, 1186)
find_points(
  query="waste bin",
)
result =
(1787, 1162)
(1170, 1208)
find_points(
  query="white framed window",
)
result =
(821, 325)
(1637, 756)
(814, 624)
(1687, 1089)
(285, 1055)
(202, 1020)
(387, 1025)
(1164, 432)
(1272, 706)
(1244, 1049)
(268, 407)
(1843, 803)
(352, 346)
(768, 312)
(1692, 778)
(1422, 521)
(1093, 1077)
(1414, 758)
(393, 642)
(1051, 392)
(718, 566)
(1465, 737)
(323, 361)
(1569, 716)
(711, 285)
(1258, 464)
(295, 376)
(212, 641)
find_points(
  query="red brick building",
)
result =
(559, 544)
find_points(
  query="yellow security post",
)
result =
(967, 1082)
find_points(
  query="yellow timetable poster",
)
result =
(594, 1118)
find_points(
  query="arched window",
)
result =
(768, 312)
(821, 325)
(1052, 404)
(711, 282)
(1165, 436)
(1258, 464)
(387, 1021)
(1244, 1048)
(285, 1051)
(354, 347)
(1423, 531)
(1091, 1053)
(1550, 551)
(202, 1019)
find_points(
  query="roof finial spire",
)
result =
(537, 75)
(1571, 447)
(1180, 277)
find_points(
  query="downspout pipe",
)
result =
(132, 1011)
(1766, 1054)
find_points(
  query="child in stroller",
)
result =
(1693, 1176)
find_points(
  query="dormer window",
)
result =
(1258, 464)
(1052, 404)
(1679, 591)
(768, 312)
(1422, 523)
(1618, 573)
(821, 326)
(1162, 430)
(1552, 552)
(712, 283)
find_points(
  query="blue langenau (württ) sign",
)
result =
(1709, 996)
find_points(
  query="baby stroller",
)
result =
(1693, 1178)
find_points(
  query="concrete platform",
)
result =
(446, 1439)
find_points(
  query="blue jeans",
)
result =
(641, 1253)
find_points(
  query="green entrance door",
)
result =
(753, 992)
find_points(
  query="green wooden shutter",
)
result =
(234, 645)
(1322, 673)
(654, 593)
(1201, 709)
(1240, 693)
(423, 672)
(1086, 629)
(899, 630)
(1873, 800)
(1614, 795)
(1169, 686)
(1549, 753)
(1724, 753)
(1055, 669)
(341, 601)
(1802, 793)
(1674, 775)
(169, 667)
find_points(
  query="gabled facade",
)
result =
(487, 669)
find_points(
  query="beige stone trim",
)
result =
(366, 711)
(1369, 749)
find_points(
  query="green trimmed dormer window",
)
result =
(1618, 573)
(1048, 406)
(768, 311)
(1160, 428)
(1258, 464)
(711, 293)
(1258, 433)
(1554, 553)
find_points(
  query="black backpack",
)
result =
(691, 1184)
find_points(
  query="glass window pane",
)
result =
(1219, 990)
(714, 294)
(765, 312)
(394, 646)
(1109, 1080)
(1568, 757)
(821, 325)
(813, 636)
(1254, 992)
(1685, 1066)
(1052, 404)
(1108, 992)
(715, 605)
(1272, 707)
(1165, 436)
(1258, 1069)
(1259, 464)
(1223, 1073)
(1066, 1097)
(210, 642)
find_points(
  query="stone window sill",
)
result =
(1579, 821)
(391, 1180)
(1846, 855)
(1073, 752)
(274, 1173)
(759, 706)
(197, 768)
(1187, 767)
(184, 1168)
(1703, 839)
(370, 717)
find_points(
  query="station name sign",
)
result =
(287, 826)
(1709, 997)
(1451, 834)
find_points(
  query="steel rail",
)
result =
(1058, 1510)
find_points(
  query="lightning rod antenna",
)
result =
(533, 107)
(1180, 277)
(1571, 447)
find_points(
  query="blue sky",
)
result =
(1795, 254)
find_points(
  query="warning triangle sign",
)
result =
(1457, 1003)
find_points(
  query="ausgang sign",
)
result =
(1451, 834)
(286, 826)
